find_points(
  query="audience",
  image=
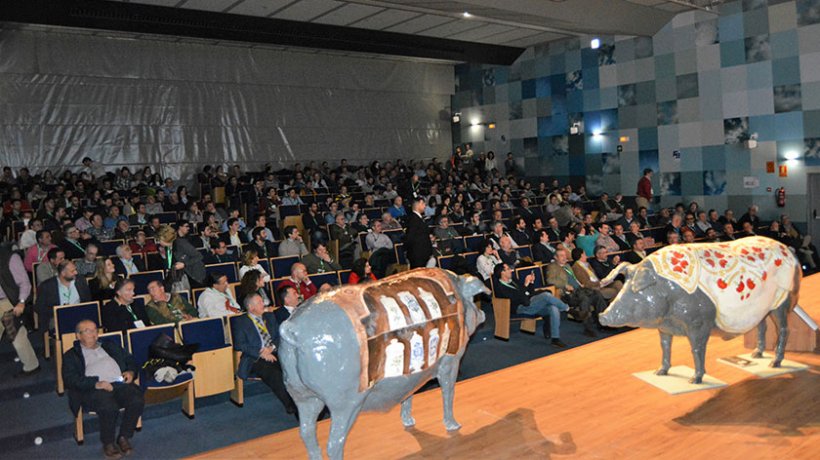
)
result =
(122, 313)
(165, 308)
(15, 289)
(217, 300)
(293, 244)
(320, 261)
(361, 272)
(250, 262)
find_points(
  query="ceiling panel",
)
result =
(452, 28)
(305, 10)
(155, 2)
(351, 12)
(385, 19)
(504, 37)
(206, 5)
(673, 7)
(534, 39)
(259, 7)
(420, 23)
(647, 2)
(485, 31)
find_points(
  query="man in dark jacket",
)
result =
(100, 378)
(417, 242)
(15, 289)
(256, 335)
(64, 289)
(525, 302)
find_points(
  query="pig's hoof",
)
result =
(408, 422)
(757, 354)
(452, 425)
(696, 380)
(662, 371)
(775, 363)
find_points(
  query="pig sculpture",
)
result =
(371, 346)
(692, 289)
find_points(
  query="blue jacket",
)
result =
(246, 339)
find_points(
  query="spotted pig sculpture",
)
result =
(693, 289)
(371, 346)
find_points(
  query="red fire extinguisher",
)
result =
(780, 197)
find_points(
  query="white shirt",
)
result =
(212, 303)
(486, 265)
(246, 268)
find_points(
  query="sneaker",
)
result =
(557, 343)
(111, 452)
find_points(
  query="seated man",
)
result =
(320, 261)
(293, 244)
(587, 278)
(299, 280)
(520, 234)
(256, 335)
(290, 300)
(164, 308)
(48, 269)
(525, 302)
(542, 251)
(124, 263)
(100, 378)
(219, 253)
(217, 300)
(507, 253)
(585, 303)
(447, 237)
(380, 247)
(88, 264)
(638, 252)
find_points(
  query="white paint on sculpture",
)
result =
(431, 302)
(395, 317)
(394, 359)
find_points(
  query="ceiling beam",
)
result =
(150, 19)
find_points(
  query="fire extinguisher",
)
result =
(780, 197)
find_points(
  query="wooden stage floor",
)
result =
(584, 403)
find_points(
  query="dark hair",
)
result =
(358, 268)
(40, 233)
(213, 278)
(52, 253)
(289, 230)
(247, 285)
(122, 282)
(231, 221)
(257, 231)
(577, 253)
(597, 248)
(498, 269)
(647, 171)
(282, 291)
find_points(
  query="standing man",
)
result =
(417, 242)
(100, 377)
(644, 192)
(14, 291)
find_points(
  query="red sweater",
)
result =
(645, 188)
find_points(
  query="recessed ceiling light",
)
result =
(595, 43)
(467, 14)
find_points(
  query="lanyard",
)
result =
(76, 244)
(511, 284)
(133, 316)
(168, 256)
(259, 325)
(569, 272)
(66, 295)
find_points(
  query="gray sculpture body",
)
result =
(333, 349)
(691, 290)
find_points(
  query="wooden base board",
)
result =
(584, 403)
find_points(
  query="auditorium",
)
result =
(290, 229)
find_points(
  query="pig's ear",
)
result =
(642, 279)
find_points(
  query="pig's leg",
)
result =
(761, 338)
(447, 374)
(666, 347)
(698, 340)
(342, 415)
(781, 316)
(406, 409)
(309, 409)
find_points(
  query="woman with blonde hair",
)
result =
(250, 261)
(105, 277)
(175, 277)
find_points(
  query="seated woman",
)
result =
(250, 262)
(105, 278)
(486, 262)
(586, 239)
(361, 272)
(121, 314)
(253, 282)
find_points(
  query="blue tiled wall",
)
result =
(685, 100)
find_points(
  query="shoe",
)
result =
(124, 445)
(590, 333)
(111, 452)
(557, 343)
(22, 374)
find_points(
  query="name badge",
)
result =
(139, 324)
